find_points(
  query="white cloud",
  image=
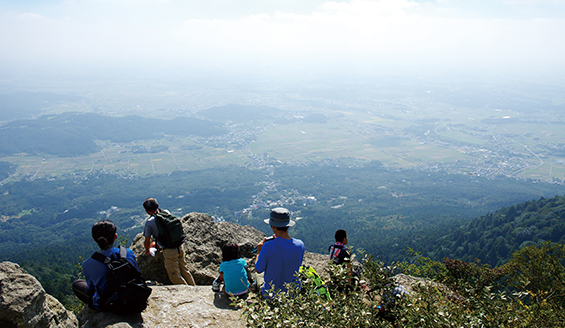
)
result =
(30, 16)
(386, 29)
(381, 32)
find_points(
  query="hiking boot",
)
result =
(216, 286)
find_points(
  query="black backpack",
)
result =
(171, 233)
(126, 291)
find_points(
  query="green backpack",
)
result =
(171, 233)
(320, 286)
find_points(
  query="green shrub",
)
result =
(538, 274)
(350, 306)
(527, 292)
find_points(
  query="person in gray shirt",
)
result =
(175, 263)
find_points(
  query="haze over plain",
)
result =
(442, 67)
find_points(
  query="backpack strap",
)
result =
(335, 249)
(101, 258)
(106, 260)
(338, 246)
(123, 252)
(159, 223)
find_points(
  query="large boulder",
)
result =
(191, 306)
(172, 306)
(24, 303)
(204, 240)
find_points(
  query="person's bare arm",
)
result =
(147, 244)
(259, 246)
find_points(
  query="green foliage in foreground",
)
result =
(528, 291)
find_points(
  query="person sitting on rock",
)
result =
(339, 255)
(175, 263)
(338, 252)
(233, 272)
(280, 257)
(90, 289)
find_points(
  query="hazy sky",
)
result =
(506, 35)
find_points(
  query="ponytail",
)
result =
(102, 243)
(103, 232)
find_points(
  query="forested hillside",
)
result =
(493, 237)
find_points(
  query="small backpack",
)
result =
(126, 291)
(321, 287)
(171, 233)
(337, 254)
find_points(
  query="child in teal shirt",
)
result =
(233, 272)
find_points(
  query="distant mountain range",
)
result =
(74, 134)
(21, 105)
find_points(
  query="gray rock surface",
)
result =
(409, 282)
(24, 303)
(172, 306)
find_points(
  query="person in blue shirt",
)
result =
(233, 272)
(88, 290)
(279, 257)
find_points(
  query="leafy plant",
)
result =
(470, 278)
(528, 292)
(538, 273)
(350, 306)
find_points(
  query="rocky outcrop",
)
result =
(172, 306)
(202, 246)
(191, 306)
(409, 282)
(24, 303)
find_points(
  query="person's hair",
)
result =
(103, 233)
(230, 251)
(150, 204)
(340, 235)
(282, 228)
